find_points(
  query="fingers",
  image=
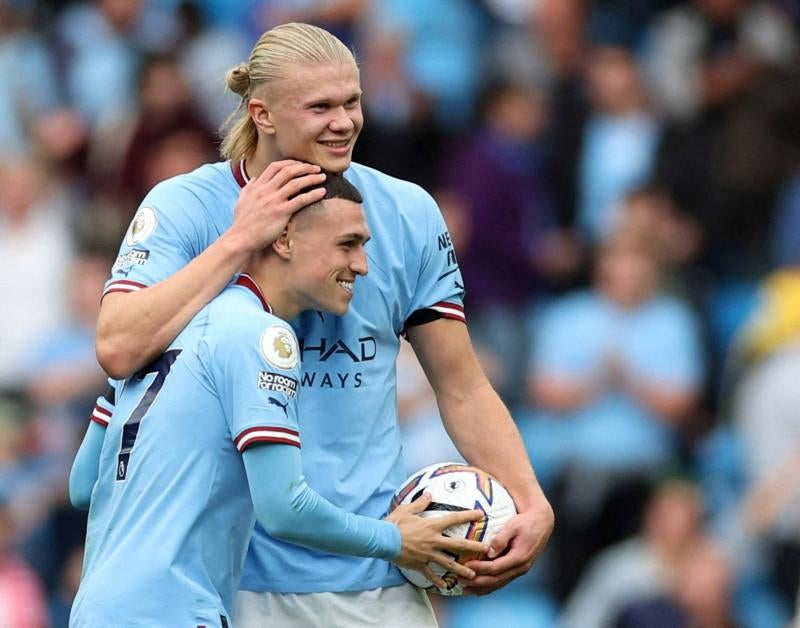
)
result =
(449, 563)
(464, 546)
(481, 585)
(301, 200)
(436, 580)
(280, 172)
(420, 504)
(457, 518)
(299, 183)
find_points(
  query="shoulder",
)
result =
(378, 187)
(187, 189)
(572, 305)
(237, 323)
(670, 310)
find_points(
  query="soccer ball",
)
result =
(456, 486)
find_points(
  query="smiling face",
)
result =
(315, 114)
(327, 254)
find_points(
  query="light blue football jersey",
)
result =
(171, 512)
(348, 407)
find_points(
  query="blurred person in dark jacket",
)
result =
(498, 171)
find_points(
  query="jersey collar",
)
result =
(246, 281)
(240, 172)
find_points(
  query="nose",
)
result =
(358, 264)
(342, 121)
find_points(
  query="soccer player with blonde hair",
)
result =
(301, 100)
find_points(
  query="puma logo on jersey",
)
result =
(282, 406)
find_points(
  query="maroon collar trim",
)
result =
(246, 281)
(240, 172)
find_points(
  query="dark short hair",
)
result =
(335, 186)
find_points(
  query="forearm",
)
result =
(290, 510)
(134, 328)
(560, 394)
(85, 468)
(485, 434)
(672, 406)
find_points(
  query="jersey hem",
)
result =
(323, 586)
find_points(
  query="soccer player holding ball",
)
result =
(300, 99)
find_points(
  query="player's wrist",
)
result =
(237, 244)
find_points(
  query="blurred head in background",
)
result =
(626, 270)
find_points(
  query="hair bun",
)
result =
(238, 79)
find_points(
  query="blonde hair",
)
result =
(272, 59)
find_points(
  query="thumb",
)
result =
(500, 541)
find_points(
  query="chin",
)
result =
(335, 164)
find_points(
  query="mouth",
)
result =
(347, 286)
(338, 146)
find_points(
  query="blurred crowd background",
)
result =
(622, 182)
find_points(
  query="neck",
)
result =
(274, 283)
(266, 152)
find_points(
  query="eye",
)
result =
(320, 107)
(353, 102)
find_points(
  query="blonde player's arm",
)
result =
(485, 434)
(135, 327)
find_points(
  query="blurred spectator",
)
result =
(209, 50)
(498, 172)
(102, 40)
(620, 139)
(644, 566)
(62, 374)
(615, 377)
(443, 50)
(166, 109)
(700, 596)
(619, 367)
(35, 234)
(717, 70)
(22, 599)
(401, 123)
(558, 28)
(706, 53)
(340, 17)
(765, 414)
(61, 601)
(28, 89)
(649, 214)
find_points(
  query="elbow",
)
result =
(280, 524)
(80, 496)
(116, 362)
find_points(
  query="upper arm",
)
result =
(162, 238)
(445, 352)
(255, 367)
(439, 287)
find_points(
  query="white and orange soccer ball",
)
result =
(456, 486)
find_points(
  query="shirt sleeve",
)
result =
(292, 511)
(104, 406)
(257, 371)
(86, 466)
(440, 287)
(667, 350)
(162, 238)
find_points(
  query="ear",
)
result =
(261, 115)
(283, 246)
